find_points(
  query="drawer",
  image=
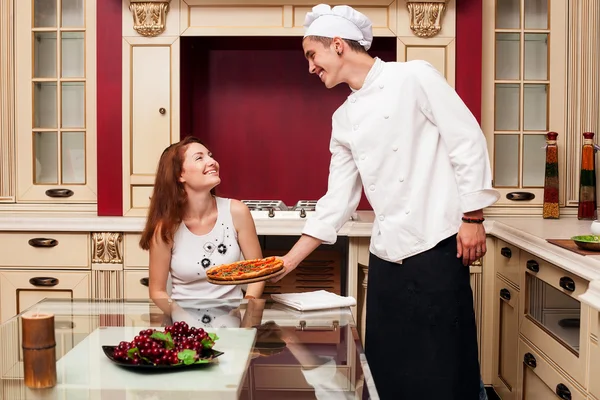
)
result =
(136, 284)
(20, 290)
(51, 249)
(554, 319)
(134, 256)
(506, 261)
(538, 379)
(283, 377)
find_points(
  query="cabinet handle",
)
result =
(43, 281)
(520, 196)
(533, 266)
(162, 110)
(567, 283)
(59, 193)
(530, 360)
(42, 242)
(505, 251)
(563, 392)
(145, 281)
(505, 294)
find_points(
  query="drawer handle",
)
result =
(42, 242)
(563, 392)
(59, 193)
(505, 251)
(520, 196)
(505, 294)
(43, 281)
(533, 266)
(567, 283)
(530, 360)
(145, 281)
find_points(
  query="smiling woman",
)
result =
(189, 229)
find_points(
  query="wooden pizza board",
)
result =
(245, 281)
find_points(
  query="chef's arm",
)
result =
(332, 210)
(463, 137)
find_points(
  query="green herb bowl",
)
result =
(587, 242)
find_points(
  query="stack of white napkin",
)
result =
(318, 300)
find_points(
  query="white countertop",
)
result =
(527, 233)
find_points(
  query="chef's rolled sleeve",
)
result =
(462, 135)
(342, 197)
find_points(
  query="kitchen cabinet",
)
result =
(594, 372)
(55, 104)
(524, 96)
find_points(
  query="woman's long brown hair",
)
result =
(169, 199)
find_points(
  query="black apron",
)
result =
(421, 340)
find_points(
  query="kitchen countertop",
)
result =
(527, 233)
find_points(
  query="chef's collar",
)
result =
(374, 72)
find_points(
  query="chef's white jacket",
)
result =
(419, 153)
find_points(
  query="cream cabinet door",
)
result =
(21, 290)
(150, 114)
(55, 51)
(506, 340)
(524, 78)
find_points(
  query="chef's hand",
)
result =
(288, 265)
(470, 242)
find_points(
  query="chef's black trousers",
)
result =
(421, 341)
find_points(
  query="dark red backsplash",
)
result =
(264, 117)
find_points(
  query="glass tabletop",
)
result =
(269, 351)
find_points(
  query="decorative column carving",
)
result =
(149, 16)
(426, 16)
(7, 102)
(107, 265)
(363, 317)
(583, 85)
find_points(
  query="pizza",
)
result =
(245, 269)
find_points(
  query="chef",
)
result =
(407, 138)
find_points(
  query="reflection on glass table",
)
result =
(270, 351)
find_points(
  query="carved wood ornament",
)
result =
(426, 17)
(149, 16)
(107, 247)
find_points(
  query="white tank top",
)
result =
(193, 254)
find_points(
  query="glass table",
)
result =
(270, 351)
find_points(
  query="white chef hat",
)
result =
(342, 21)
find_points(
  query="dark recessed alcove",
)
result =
(252, 101)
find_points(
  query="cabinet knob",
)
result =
(59, 193)
(145, 281)
(567, 283)
(505, 294)
(505, 251)
(530, 360)
(563, 391)
(520, 196)
(162, 110)
(533, 266)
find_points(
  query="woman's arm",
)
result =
(160, 264)
(248, 240)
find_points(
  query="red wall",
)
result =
(267, 121)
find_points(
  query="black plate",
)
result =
(109, 351)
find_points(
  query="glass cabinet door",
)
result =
(56, 91)
(523, 90)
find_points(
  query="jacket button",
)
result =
(395, 148)
(386, 116)
(407, 212)
(362, 157)
(372, 188)
(353, 100)
(355, 127)
(381, 217)
(380, 86)
(401, 179)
